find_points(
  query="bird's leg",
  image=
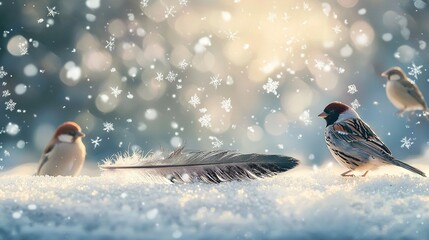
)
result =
(365, 174)
(345, 174)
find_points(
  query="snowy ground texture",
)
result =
(300, 204)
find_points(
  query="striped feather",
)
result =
(201, 166)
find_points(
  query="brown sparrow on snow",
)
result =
(404, 93)
(353, 144)
(65, 153)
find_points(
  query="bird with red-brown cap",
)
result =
(353, 143)
(65, 153)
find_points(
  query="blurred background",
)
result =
(245, 75)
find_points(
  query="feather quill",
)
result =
(202, 166)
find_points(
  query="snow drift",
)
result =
(302, 203)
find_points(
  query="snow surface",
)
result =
(300, 204)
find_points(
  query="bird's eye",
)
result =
(72, 133)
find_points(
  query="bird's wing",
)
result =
(414, 91)
(359, 135)
(45, 156)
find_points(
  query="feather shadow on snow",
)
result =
(200, 166)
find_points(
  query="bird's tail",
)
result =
(408, 167)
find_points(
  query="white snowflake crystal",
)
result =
(10, 105)
(216, 143)
(183, 64)
(216, 81)
(110, 44)
(169, 11)
(352, 89)
(108, 127)
(415, 70)
(305, 117)
(226, 104)
(231, 35)
(5, 93)
(3, 73)
(337, 29)
(159, 77)
(171, 76)
(144, 3)
(271, 86)
(116, 91)
(194, 101)
(23, 48)
(205, 120)
(96, 142)
(355, 104)
(52, 12)
(406, 142)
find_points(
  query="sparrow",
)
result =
(353, 144)
(403, 93)
(65, 153)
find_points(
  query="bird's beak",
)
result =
(80, 134)
(322, 115)
(384, 74)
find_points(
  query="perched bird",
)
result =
(404, 93)
(201, 166)
(353, 144)
(65, 153)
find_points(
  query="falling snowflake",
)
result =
(52, 12)
(144, 3)
(205, 120)
(6, 153)
(194, 101)
(96, 142)
(231, 35)
(271, 86)
(171, 76)
(6, 93)
(159, 77)
(352, 89)
(169, 11)
(305, 117)
(226, 104)
(110, 44)
(116, 91)
(108, 126)
(183, 64)
(285, 17)
(183, 2)
(10, 105)
(406, 142)
(355, 104)
(3, 73)
(216, 143)
(23, 48)
(415, 70)
(337, 29)
(216, 81)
